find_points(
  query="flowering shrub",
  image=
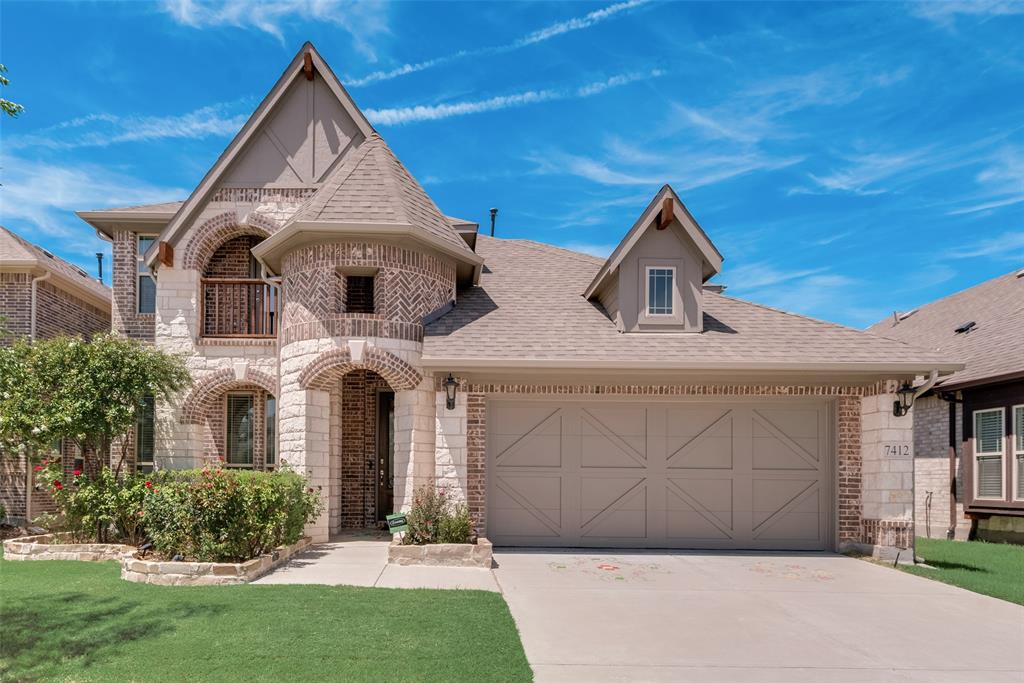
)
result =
(222, 515)
(435, 518)
(104, 508)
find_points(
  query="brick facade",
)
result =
(359, 471)
(15, 306)
(126, 317)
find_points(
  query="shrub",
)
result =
(104, 508)
(221, 515)
(435, 518)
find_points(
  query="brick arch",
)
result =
(330, 366)
(219, 229)
(208, 390)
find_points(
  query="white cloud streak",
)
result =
(101, 130)
(363, 20)
(532, 38)
(403, 115)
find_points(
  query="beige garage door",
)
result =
(659, 475)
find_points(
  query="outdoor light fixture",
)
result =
(450, 385)
(905, 400)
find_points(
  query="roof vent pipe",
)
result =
(494, 216)
(99, 266)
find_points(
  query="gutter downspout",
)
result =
(928, 384)
(35, 299)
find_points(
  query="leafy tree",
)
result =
(88, 392)
(8, 107)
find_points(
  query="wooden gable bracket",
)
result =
(666, 213)
(307, 65)
(166, 254)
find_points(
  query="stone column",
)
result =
(450, 445)
(304, 422)
(414, 440)
(887, 454)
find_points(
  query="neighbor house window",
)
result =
(240, 419)
(659, 290)
(359, 294)
(144, 434)
(271, 418)
(147, 285)
(988, 453)
(1018, 448)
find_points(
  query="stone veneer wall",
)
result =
(890, 523)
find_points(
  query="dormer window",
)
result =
(660, 288)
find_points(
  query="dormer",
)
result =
(654, 280)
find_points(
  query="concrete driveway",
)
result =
(588, 616)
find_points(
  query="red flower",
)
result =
(77, 473)
(149, 484)
(57, 485)
(39, 468)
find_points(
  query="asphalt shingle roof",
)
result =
(994, 347)
(372, 185)
(529, 305)
(13, 247)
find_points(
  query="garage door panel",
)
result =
(659, 474)
(527, 506)
(625, 517)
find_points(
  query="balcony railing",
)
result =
(239, 308)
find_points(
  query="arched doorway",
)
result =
(365, 447)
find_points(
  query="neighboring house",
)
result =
(337, 321)
(981, 405)
(42, 296)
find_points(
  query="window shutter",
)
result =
(240, 429)
(359, 294)
(988, 431)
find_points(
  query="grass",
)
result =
(79, 621)
(995, 569)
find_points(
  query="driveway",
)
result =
(738, 617)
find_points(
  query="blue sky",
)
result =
(847, 159)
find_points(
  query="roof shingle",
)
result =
(14, 248)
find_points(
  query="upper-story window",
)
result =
(359, 294)
(146, 284)
(660, 288)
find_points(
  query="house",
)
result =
(42, 296)
(969, 429)
(337, 321)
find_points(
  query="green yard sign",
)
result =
(397, 523)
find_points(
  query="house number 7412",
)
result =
(897, 450)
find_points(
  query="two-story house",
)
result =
(336, 320)
(42, 296)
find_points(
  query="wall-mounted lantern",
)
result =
(451, 385)
(905, 400)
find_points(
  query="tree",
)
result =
(8, 107)
(88, 392)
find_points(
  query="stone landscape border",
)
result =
(52, 547)
(164, 573)
(477, 554)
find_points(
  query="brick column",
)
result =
(476, 459)
(848, 470)
(414, 440)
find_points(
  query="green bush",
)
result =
(435, 518)
(222, 515)
(105, 508)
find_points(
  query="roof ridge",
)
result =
(595, 260)
(952, 295)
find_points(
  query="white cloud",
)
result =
(361, 19)
(863, 173)
(101, 130)
(1001, 183)
(948, 11)
(601, 250)
(435, 112)
(538, 36)
(1008, 246)
(46, 195)
(764, 274)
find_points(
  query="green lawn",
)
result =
(995, 569)
(79, 621)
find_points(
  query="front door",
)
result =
(385, 453)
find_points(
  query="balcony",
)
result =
(239, 308)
